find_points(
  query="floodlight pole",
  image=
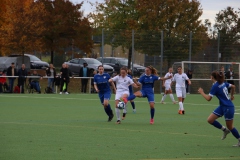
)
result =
(102, 52)
(161, 60)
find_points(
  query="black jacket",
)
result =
(81, 72)
(9, 71)
(65, 73)
(48, 73)
(22, 74)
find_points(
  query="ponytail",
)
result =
(218, 76)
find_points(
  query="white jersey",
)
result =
(180, 79)
(168, 81)
(122, 83)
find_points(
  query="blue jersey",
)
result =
(130, 87)
(102, 82)
(148, 82)
(221, 92)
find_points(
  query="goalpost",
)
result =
(201, 72)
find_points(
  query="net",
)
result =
(201, 72)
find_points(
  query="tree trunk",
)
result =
(130, 57)
(52, 56)
(22, 57)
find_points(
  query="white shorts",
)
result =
(167, 87)
(119, 94)
(181, 92)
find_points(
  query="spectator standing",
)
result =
(3, 83)
(84, 72)
(64, 79)
(189, 74)
(34, 81)
(51, 74)
(11, 71)
(69, 75)
(22, 73)
(230, 76)
(223, 71)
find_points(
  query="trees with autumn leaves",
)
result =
(43, 25)
(148, 18)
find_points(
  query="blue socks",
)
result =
(108, 110)
(235, 133)
(131, 97)
(217, 124)
(133, 105)
(152, 111)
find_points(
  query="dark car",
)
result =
(76, 63)
(36, 63)
(117, 63)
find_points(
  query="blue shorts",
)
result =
(104, 96)
(149, 95)
(227, 112)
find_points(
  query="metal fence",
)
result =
(163, 48)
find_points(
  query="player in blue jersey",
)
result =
(131, 91)
(102, 86)
(226, 107)
(147, 82)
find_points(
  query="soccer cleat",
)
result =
(180, 112)
(238, 144)
(225, 133)
(66, 93)
(118, 122)
(163, 102)
(124, 115)
(60, 93)
(124, 99)
(175, 102)
(134, 111)
(183, 112)
(110, 117)
(151, 121)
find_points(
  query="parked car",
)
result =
(76, 63)
(117, 63)
(36, 63)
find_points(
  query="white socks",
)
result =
(181, 106)
(164, 97)
(125, 109)
(172, 98)
(117, 113)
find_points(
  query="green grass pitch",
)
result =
(75, 127)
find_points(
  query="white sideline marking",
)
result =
(61, 98)
(116, 129)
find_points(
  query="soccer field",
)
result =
(75, 127)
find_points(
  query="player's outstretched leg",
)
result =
(124, 112)
(133, 106)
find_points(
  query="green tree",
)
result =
(176, 18)
(228, 26)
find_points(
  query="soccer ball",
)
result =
(121, 105)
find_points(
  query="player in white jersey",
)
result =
(167, 84)
(122, 84)
(180, 79)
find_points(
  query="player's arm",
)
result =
(136, 82)
(113, 85)
(95, 86)
(164, 78)
(207, 97)
(189, 82)
(232, 91)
